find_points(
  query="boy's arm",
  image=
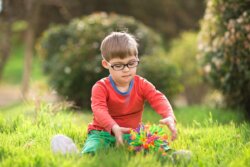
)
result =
(161, 105)
(118, 132)
(100, 108)
(157, 100)
(101, 114)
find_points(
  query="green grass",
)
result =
(13, 70)
(215, 138)
(188, 116)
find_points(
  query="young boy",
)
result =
(117, 101)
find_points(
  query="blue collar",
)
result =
(117, 90)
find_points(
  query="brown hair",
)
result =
(119, 44)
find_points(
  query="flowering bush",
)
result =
(224, 48)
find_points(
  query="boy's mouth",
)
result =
(125, 76)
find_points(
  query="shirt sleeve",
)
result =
(100, 108)
(156, 99)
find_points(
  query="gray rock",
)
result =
(181, 156)
(63, 144)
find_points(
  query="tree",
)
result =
(39, 14)
(28, 10)
(33, 11)
(5, 32)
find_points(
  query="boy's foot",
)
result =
(63, 144)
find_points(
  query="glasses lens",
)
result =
(118, 67)
(133, 64)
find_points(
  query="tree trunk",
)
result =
(5, 43)
(29, 40)
(33, 8)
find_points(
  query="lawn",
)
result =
(215, 138)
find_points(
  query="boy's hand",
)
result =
(169, 121)
(118, 132)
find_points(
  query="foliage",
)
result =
(165, 16)
(182, 53)
(162, 73)
(25, 139)
(225, 48)
(12, 73)
(71, 53)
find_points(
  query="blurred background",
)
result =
(196, 52)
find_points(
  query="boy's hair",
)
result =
(119, 44)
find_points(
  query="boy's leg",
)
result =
(98, 140)
(126, 138)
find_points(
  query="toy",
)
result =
(148, 138)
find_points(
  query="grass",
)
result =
(215, 138)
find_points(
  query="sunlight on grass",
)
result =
(26, 131)
(189, 115)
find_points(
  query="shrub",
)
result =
(225, 48)
(71, 53)
(183, 51)
(163, 74)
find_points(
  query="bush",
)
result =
(225, 49)
(183, 51)
(71, 53)
(161, 73)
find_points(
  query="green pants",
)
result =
(100, 140)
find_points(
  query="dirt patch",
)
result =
(10, 94)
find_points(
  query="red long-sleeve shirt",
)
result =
(110, 106)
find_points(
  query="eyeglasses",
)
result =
(119, 67)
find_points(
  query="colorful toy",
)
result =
(148, 138)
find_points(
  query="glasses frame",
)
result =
(124, 65)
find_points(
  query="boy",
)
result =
(117, 101)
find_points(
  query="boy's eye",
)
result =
(132, 63)
(118, 65)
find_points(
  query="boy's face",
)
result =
(122, 70)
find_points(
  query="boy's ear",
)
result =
(105, 64)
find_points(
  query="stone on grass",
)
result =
(63, 144)
(181, 156)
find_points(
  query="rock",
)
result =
(63, 144)
(181, 156)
